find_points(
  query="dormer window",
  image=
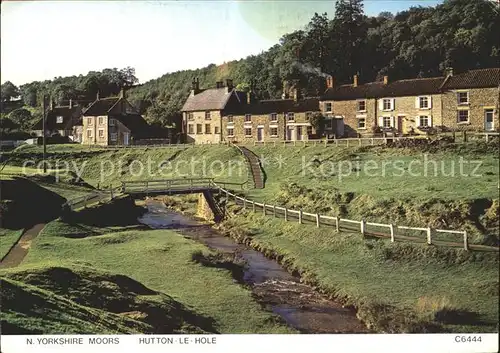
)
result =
(59, 120)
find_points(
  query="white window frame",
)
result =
(101, 131)
(328, 104)
(290, 114)
(422, 100)
(458, 98)
(230, 119)
(363, 119)
(90, 121)
(100, 120)
(230, 132)
(248, 128)
(357, 105)
(273, 117)
(190, 129)
(422, 118)
(190, 116)
(114, 136)
(59, 119)
(384, 101)
(91, 133)
(384, 119)
(458, 116)
(248, 118)
(200, 130)
(271, 131)
(208, 115)
(209, 129)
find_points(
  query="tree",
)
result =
(22, 117)
(9, 91)
(128, 77)
(29, 93)
(317, 121)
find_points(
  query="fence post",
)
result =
(391, 227)
(429, 236)
(337, 219)
(286, 214)
(300, 216)
(227, 196)
(372, 141)
(326, 141)
(466, 241)
(317, 220)
(362, 226)
(253, 206)
(274, 211)
(264, 209)
(244, 203)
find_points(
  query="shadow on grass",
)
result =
(461, 317)
(60, 289)
(224, 261)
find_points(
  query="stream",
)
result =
(298, 304)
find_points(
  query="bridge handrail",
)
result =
(164, 180)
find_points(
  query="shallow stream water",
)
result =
(298, 304)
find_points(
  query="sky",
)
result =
(41, 40)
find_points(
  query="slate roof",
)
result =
(349, 92)
(482, 78)
(278, 106)
(413, 87)
(101, 106)
(210, 99)
(65, 111)
(135, 123)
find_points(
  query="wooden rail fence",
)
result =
(392, 231)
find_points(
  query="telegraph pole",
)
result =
(43, 133)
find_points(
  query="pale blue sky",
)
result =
(44, 39)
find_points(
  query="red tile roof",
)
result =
(482, 78)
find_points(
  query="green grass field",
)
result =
(397, 287)
(162, 261)
(8, 237)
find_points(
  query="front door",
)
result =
(488, 120)
(289, 135)
(299, 133)
(125, 138)
(339, 127)
(260, 133)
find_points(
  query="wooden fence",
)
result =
(392, 231)
(92, 197)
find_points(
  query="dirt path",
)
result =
(18, 252)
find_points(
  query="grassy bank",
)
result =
(397, 287)
(8, 237)
(162, 261)
(104, 167)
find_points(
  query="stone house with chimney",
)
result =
(271, 120)
(112, 121)
(402, 106)
(61, 120)
(471, 100)
(203, 110)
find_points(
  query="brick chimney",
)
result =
(355, 81)
(330, 82)
(229, 85)
(386, 80)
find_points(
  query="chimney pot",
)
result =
(355, 81)
(330, 82)
(70, 103)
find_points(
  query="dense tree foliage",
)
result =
(9, 91)
(419, 42)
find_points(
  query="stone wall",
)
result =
(480, 100)
(263, 121)
(213, 136)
